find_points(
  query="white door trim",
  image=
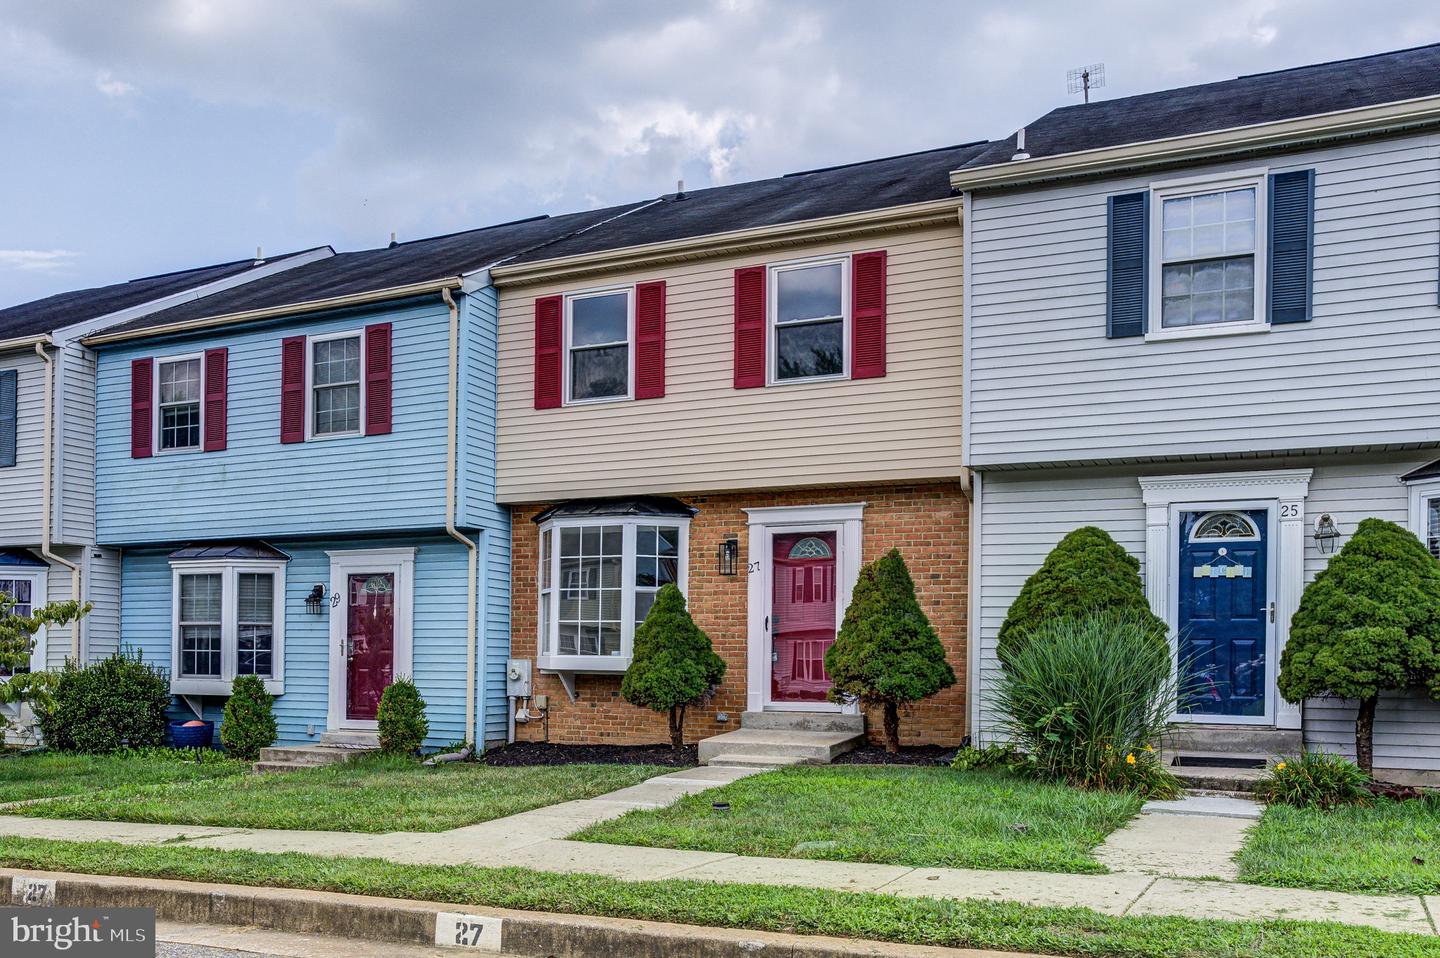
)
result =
(1282, 492)
(846, 521)
(343, 563)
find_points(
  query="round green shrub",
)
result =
(249, 722)
(116, 702)
(1314, 780)
(673, 665)
(886, 653)
(1369, 623)
(1086, 572)
(401, 718)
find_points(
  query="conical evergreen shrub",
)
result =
(1086, 572)
(401, 718)
(886, 653)
(1369, 623)
(249, 721)
(673, 665)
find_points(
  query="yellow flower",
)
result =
(1130, 759)
(1279, 766)
(1149, 748)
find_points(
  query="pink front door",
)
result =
(802, 615)
(369, 642)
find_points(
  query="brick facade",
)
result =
(928, 523)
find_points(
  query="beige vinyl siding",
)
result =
(1024, 514)
(705, 435)
(20, 485)
(1046, 386)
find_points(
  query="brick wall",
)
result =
(929, 524)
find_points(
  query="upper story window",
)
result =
(598, 331)
(228, 619)
(178, 387)
(809, 318)
(1208, 258)
(597, 580)
(335, 391)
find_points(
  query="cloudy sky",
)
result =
(148, 135)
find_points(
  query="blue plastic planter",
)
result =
(193, 736)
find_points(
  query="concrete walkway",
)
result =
(1146, 877)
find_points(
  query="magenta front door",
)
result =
(369, 642)
(802, 615)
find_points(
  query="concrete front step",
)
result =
(1235, 740)
(814, 748)
(1217, 778)
(755, 761)
(351, 738)
(804, 722)
(288, 757)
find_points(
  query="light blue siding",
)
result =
(439, 630)
(258, 487)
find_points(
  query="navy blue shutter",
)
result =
(8, 416)
(1292, 245)
(1127, 265)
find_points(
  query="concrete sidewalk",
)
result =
(1147, 876)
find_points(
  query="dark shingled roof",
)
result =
(1431, 470)
(1247, 100)
(65, 309)
(625, 506)
(365, 271)
(230, 550)
(811, 194)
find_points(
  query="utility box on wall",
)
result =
(517, 678)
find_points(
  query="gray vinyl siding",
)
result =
(1047, 386)
(76, 442)
(1023, 516)
(102, 590)
(59, 588)
(20, 484)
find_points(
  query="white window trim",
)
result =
(551, 661)
(229, 570)
(1422, 492)
(1170, 189)
(629, 291)
(772, 298)
(155, 416)
(346, 562)
(310, 341)
(37, 577)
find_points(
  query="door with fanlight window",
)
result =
(371, 630)
(802, 622)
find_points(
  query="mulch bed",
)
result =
(544, 753)
(908, 755)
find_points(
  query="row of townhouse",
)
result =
(1201, 319)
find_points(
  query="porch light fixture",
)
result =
(1326, 532)
(315, 601)
(727, 556)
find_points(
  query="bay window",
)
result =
(228, 620)
(597, 580)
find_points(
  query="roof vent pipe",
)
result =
(679, 189)
(1020, 153)
(259, 255)
(393, 242)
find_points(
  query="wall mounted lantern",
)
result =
(727, 556)
(1326, 532)
(315, 601)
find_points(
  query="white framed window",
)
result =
(334, 386)
(599, 345)
(597, 581)
(179, 392)
(1425, 513)
(808, 320)
(228, 620)
(1207, 256)
(26, 587)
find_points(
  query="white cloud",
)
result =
(109, 85)
(37, 260)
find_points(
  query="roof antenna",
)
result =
(1020, 153)
(1085, 79)
(679, 189)
(393, 242)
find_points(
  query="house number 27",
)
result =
(752, 567)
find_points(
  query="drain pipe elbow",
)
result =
(47, 495)
(473, 552)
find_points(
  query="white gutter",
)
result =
(25, 342)
(451, 467)
(47, 494)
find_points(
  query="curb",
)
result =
(462, 927)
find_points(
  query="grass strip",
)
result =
(51, 774)
(972, 924)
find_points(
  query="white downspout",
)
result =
(451, 460)
(47, 495)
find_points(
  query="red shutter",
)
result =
(377, 379)
(867, 319)
(749, 327)
(650, 340)
(142, 392)
(216, 373)
(292, 389)
(549, 349)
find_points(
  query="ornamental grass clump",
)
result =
(1314, 780)
(1089, 698)
(1369, 623)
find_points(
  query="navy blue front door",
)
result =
(1223, 612)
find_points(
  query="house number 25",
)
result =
(1289, 510)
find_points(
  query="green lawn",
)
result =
(957, 924)
(926, 817)
(375, 794)
(50, 774)
(1387, 847)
